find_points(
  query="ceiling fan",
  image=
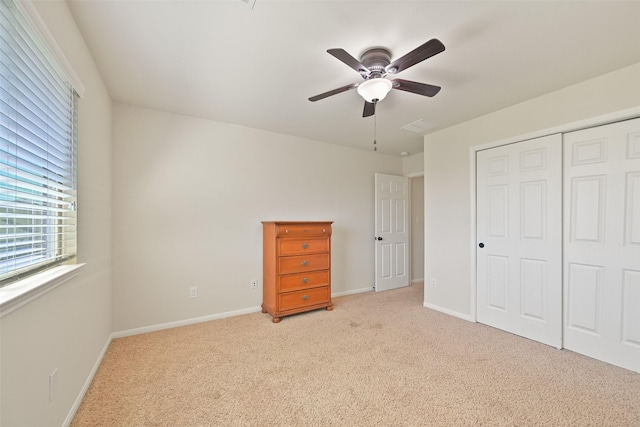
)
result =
(375, 65)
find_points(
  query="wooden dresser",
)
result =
(296, 267)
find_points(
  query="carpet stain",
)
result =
(354, 324)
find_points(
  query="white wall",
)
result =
(413, 165)
(67, 328)
(447, 180)
(189, 195)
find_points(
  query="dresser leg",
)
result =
(276, 320)
(330, 308)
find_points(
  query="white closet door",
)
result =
(519, 234)
(602, 243)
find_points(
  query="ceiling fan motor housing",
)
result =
(376, 60)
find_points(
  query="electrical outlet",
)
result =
(254, 284)
(193, 292)
(434, 283)
(53, 384)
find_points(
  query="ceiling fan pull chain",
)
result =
(375, 128)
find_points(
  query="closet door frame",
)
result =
(605, 119)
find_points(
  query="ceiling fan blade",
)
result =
(415, 87)
(352, 62)
(419, 54)
(333, 92)
(369, 109)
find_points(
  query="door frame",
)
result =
(411, 219)
(410, 176)
(631, 113)
(409, 230)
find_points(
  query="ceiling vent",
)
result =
(419, 126)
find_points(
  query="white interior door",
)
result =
(602, 243)
(392, 232)
(519, 236)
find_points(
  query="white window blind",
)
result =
(38, 121)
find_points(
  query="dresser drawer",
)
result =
(302, 246)
(312, 279)
(301, 263)
(288, 230)
(304, 298)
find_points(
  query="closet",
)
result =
(558, 234)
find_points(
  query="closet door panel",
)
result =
(602, 243)
(519, 202)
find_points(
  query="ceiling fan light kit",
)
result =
(374, 90)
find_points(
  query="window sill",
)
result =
(20, 293)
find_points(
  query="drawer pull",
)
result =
(305, 297)
(305, 245)
(286, 231)
(305, 263)
(305, 280)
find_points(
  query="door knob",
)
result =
(378, 238)
(481, 245)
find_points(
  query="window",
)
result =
(38, 121)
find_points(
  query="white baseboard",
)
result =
(207, 318)
(185, 322)
(417, 280)
(87, 383)
(448, 311)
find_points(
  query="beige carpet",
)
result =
(378, 359)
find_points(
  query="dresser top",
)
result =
(297, 222)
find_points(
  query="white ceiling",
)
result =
(223, 60)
